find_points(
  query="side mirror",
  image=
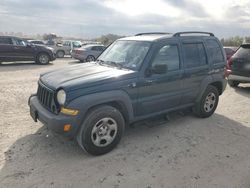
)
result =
(159, 69)
(29, 45)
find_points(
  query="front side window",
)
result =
(194, 55)
(128, 54)
(18, 42)
(168, 55)
(76, 44)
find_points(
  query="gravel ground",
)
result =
(182, 153)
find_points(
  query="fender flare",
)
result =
(84, 103)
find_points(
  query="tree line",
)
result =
(235, 41)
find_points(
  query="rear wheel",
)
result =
(101, 130)
(208, 102)
(233, 83)
(90, 58)
(60, 54)
(42, 59)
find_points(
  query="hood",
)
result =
(84, 75)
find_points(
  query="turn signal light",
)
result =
(66, 127)
(68, 111)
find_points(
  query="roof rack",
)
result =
(192, 32)
(153, 33)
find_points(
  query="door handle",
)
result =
(148, 82)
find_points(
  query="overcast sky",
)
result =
(91, 18)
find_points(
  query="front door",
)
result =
(21, 51)
(160, 92)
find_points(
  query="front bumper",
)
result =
(53, 57)
(239, 78)
(55, 122)
(78, 56)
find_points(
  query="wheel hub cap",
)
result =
(209, 102)
(104, 132)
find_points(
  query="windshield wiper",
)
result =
(113, 64)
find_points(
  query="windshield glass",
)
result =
(127, 54)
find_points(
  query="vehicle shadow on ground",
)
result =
(22, 66)
(184, 137)
(244, 90)
(74, 62)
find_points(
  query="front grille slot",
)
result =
(46, 97)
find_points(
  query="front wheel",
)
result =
(42, 59)
(60, 54)
(208, 102)
(101, 130)
(90, 58)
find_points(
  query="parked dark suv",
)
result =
(16, 49)
(135, 78)
(238, 66)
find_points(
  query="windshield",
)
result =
(126, 54)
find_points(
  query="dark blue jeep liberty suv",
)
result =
(135, 78)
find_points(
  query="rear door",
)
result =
(196, 68)
(240, 62)
(6, 49)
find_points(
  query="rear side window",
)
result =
(194, 55)
(5, 40)
(214, 51)
(243, 52)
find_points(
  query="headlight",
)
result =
(51, 49)
(61, 97)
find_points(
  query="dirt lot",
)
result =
(185, 152)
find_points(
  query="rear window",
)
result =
(5, 40)
(194, 55)
(214, 51)
(228, 51)
(243, 52)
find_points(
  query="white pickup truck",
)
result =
(65, 47)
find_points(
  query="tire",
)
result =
(208, 102)
(101, 130)
(90, 58)
(43, 59)
(60, 54)
(233, 83)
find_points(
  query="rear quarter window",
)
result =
(5, 40)
(214, 51)
(194, 55)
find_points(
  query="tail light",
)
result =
(228, 68)
(229, 63)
